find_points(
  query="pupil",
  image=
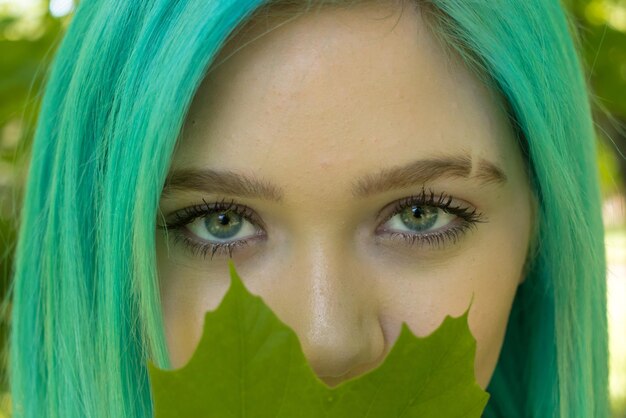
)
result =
(417, 211)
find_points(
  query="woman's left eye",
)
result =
(421, 219)
(429, 220)
(424, 219)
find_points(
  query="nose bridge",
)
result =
(337, 321)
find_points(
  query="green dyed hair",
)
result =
(86, 313)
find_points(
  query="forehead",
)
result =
(352, 88)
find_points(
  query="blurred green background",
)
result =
(30, 31)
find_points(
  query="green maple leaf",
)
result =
(250, 364)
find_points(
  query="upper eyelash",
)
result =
(442, 201)
(187, 215)
(469, 217)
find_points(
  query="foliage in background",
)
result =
(27, 44)
(602, 26)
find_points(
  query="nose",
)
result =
(333, 311)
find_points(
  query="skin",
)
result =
(309, 107)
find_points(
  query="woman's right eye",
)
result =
(214, 227)
(221, 225)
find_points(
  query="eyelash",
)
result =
(426, 198)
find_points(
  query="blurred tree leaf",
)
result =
(604, 55)
(23, 67)
(22, 70)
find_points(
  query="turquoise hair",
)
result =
(86, 312)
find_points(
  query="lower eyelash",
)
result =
(203, 249)
(437, 240)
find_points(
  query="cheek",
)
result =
(500, 274)
(423, 295)
(488, 321)
(186, 295)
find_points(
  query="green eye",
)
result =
(419, 218)
(223, 224)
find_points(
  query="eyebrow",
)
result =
(398, 177)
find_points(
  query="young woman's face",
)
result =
(373, 179)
